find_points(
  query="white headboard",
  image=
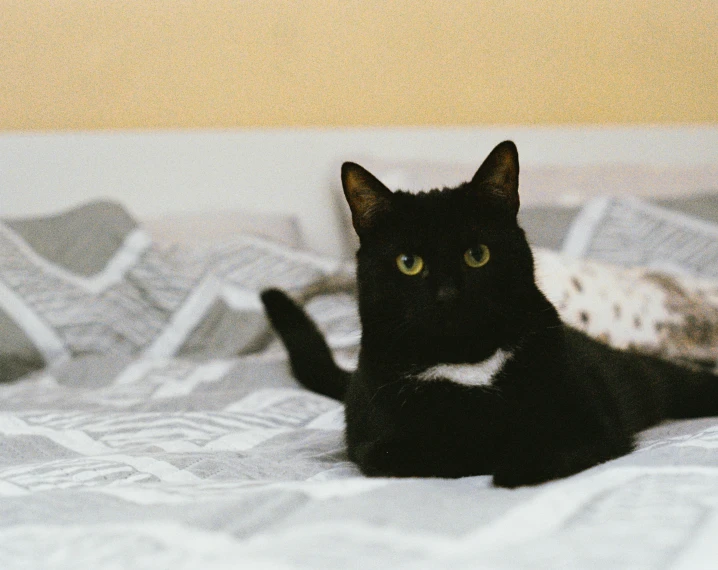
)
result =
(296, 172)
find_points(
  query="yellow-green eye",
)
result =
(477, 256)
(409, 264)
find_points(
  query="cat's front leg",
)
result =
(395, 456)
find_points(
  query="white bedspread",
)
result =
(227, 464)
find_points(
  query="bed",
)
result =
(148, 418)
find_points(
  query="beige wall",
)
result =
(99, 64)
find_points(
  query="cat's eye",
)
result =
(409, 264)
(477, 256)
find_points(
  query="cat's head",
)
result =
(449, 263)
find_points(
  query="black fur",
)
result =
(311, 360)
(562, 402)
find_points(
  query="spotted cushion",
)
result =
(634, 308)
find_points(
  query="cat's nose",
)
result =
(447, 293)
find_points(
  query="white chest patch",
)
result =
(479, 374)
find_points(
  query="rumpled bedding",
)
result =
(152, 422)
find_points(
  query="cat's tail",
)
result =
(310, 357)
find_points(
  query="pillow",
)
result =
(90, 281)
(548, 226)
(632, 232)
(79, 242)
(675, 317)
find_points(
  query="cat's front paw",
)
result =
(378, 460)
(402, 458)
(511, 476)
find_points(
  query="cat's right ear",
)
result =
(366, 195)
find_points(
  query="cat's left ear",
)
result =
(499, 175)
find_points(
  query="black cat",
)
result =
(465, 367)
